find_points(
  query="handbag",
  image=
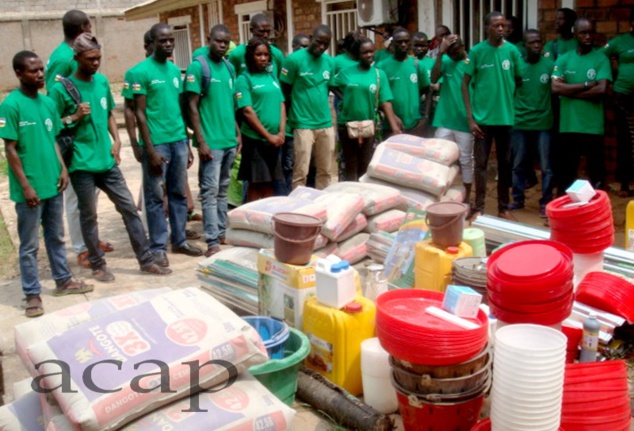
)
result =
(365, 128)
(66, 138)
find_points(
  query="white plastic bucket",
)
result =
(375, 374)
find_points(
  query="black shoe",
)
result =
(516, 206)
(187, 249)
(160, 258)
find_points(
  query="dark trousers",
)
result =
(625, 138)
(573, 146)
(356, 156)
(113, 185)
(482, 148)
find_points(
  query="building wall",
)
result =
(194, 25)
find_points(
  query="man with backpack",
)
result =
(95, 157)
(210, 90)
(156, 88)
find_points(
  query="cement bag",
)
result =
(454, 194)
(342, 208)
(180, 329)
(252, 239)
(51, 324)
(23, 414)
(454, 171)
(437, 150)
(389, 221)
(54, 416)
(376, 198)
(244, 405)
(257, 215)
(354, 249)
(330, 248)
(358, 224)
(401, 168)
(412, 198)
(379, 245)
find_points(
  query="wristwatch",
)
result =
(585, 84)
(68, 120)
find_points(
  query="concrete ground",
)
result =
(128, 278)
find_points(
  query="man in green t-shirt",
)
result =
(621, 50)
(451, 116)
(260, 26)
(215, 133)
(306, 77)
(564, 21)
(156, 88)
(428, 103)
(95, 158)
(408, 79)
(533, 122)
(581, 79)
(60, 64)
(29, 124)
(492, 72)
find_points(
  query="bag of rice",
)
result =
(358, 224)
(342, 208)
(437, 150)
(376, 198)
(412, 198)
(388, 221)
(257, 215)
(51, 324)
(354, 249)
(400, 168)
(126, 364)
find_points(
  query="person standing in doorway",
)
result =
(260, 26)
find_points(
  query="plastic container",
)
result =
(433, 264)
(376, 281)
(335, 286)
(462, 369)
(273, 332)
(375, 370)
(294, 237)
(475, 238)
(280, 375)
(446, 222)
(335, 340)
(629, 226)
(590, 339)
(585, 264)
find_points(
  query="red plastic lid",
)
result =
(453, 250)
(353, 307)
(531, 260)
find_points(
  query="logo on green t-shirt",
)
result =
(176, 82)
(326, 75)
(544, 78)
(372, 88)
(49, 124)
(414, 78)
(104, 103)
(506, 65)
(592, 73)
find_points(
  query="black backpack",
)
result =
(183, 99)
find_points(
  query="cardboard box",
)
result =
(462, 301)
(581, 191)
(283, 289)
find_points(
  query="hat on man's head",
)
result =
(85, 42)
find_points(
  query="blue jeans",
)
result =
(213, 178)
(49, 213)
(523, 143)
(174, 178)
(114, 186)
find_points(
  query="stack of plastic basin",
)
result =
(485, 425)
(574, 336)
(607, 292)
(596, 397)
(531, 282)
(273, 332)
(441, 371)
(528, 378)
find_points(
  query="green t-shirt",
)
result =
(557, 47)
(578, 115)
(493, 71)
(622, 48)
(204, 50)
(381, 55)
(262, 92)
(217, 107)
(342, 61)
(451, 112)
(236, 58)
(359, 93)
(161, 85)
(92, 142)
(61, 62)
(310, 78)
(126, 93)
(33, 124)
(406, 83)
(533, 110)
(428, 64)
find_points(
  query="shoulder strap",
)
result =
(229, 68)
(555, 53)
(71, 89)
(378, 88)
(416, 62)
(206, 79)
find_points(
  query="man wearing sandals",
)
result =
(95, 158)
(37, 177)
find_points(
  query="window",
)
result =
(182, 47)
(245, 11)
(215, 13)
(341, 17)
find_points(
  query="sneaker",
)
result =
(73, 287)
(516, 206)
(103, 275)
(542, 211)
(160, 258)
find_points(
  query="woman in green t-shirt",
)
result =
(364, 89)
(261, 104)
